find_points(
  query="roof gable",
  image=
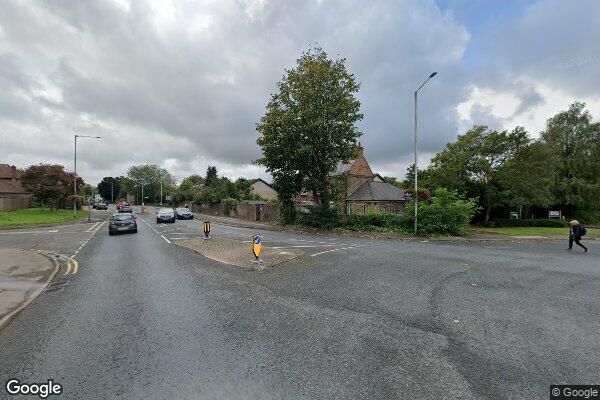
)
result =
(377, 191)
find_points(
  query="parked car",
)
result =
(102, 206)
(165, 215)
(122, 222)
(126, 209)
(183, 213)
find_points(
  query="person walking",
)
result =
(576, 231)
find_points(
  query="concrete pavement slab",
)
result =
(23, 276)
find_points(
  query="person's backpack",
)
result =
(582, 231)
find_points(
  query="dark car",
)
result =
(122, 222)
(126, 209)
(102, 206)
(183, 213)
(165, 215)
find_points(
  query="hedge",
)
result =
(541, 222)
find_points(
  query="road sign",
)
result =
(206, 228)
(256, 245)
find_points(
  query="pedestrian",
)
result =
(576, 231)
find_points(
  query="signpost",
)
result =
(206, 229)
(554, 214)
(256, 247)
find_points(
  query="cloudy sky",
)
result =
(182, 83)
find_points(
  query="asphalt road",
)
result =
(354, 318)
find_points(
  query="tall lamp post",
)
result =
(416, 170)
(75, 170)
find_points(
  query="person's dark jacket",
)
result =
(576, 231)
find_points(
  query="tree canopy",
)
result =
(310, 126)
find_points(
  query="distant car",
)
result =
(165, 215)
(183, 213)
(102, 206)
(122, 222)
(126, 209)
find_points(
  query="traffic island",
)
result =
(238, 253)
(24, 274)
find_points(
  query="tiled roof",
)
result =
(8, 172)
(7, 188)
(377, 191)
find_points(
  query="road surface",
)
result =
(352, 319)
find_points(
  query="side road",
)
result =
(24, 274)
(475, 237)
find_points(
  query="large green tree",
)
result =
(110, 187)
(309, 127)
(574, 140)
(150, 176)
(474, 163)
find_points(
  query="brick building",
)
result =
(12, 195)
(366, 192)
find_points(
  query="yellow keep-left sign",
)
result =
(256, 245)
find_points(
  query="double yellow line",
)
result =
(72, 267)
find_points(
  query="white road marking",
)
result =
(166, 240)
(329, 251)
(91, 228)
(68, 271)
(303, 246)
(27, 233)
(88, 239)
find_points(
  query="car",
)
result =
(183, 213)
(126, 209)
(165, 215)
(122, 222)
(102, 206)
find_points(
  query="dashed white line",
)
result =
(166, 240)
(329, 251)
(91, 228)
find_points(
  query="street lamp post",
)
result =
(416, 170)
(75, 170)
(161, 192)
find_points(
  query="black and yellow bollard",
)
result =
(256, 248)
(206, 230)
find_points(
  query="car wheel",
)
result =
(157, 221)
(135, 231)
(110, 233)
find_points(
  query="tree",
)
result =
(575, 142)
(473, 164)
(309, 127)
(189, 187)
(150, 176)
(211, 175)
(49, 183)
(109, 187)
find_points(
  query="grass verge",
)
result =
(34, 216)
(534, 231)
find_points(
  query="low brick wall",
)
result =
(245, 211)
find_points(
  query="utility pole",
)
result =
(75, 170)
(90, 205)
(416, 169)
(161, 192)
(112, 197)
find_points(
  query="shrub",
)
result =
(376, 222)
(229, 205)
(319, 217)
(445, 214)
(541, 222)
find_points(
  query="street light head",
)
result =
(433, 74)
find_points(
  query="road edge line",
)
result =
(8, 317)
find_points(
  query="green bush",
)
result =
(588, 217)
(541, 222)
(377, 222)
(229, 205)
(318, 217)
(445, 213)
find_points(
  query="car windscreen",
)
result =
(165, 211)
(122, 217)
(183, 211)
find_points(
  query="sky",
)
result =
(182, 83)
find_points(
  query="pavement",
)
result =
(353, 318)
(24, 274)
